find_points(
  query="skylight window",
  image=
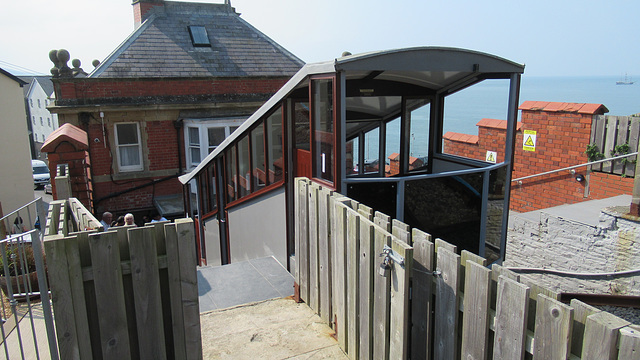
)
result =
(199, 36)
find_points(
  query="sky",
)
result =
(552, 38)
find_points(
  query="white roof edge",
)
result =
(309, 69)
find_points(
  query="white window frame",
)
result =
(128, 168)
(203, 125)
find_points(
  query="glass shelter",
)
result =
(380, 128)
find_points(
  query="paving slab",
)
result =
(586, 212)
(243, 282)
(270, 329)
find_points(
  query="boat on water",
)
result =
(627, 81)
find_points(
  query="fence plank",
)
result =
(623, 138)
(382, 299)
(423, 250)
(399, 316)
(601, 336)
(402, 234)
(353, 233)
(175, 291)
(324, 253)
(314, 285)
(367, 272)
(189, 281)
(634, 134)
(302, 252)
(630, 343)
(511, 320)
(146, 292)
(446, 314)
(439, 243)
(610, 140)
(552, 339)
(62, 299)
(107, 275)
(339, 273)
(383, 217)
(580, 313)
(475, 319)
(598, 136)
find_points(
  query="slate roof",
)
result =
(162, 47)
(44, 81)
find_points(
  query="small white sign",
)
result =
(323, 166)
(491, 157)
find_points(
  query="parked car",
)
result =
(40, 173)
(47, 189)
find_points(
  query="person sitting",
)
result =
(128, 220)
(106, 220)
(118, 222)
(155, 217)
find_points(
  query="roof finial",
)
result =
(227, 2)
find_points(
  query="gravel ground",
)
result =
(632, 315)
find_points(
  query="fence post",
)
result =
(601, 336)
(399, 324)
(511, 320)
(475, 322)
(446, 314)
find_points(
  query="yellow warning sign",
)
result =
(529, 140)
(491, 157)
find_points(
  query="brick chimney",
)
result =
(141, 9)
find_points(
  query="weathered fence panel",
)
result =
(452, 297)
(609, 132)
(127, 293)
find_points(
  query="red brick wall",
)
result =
(561, 139)
(115, 88)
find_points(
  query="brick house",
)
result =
(562, 132)
(188, 76)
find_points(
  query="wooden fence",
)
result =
(438, 305)
(126, 293)
(607, 132)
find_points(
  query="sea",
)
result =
(464, 109)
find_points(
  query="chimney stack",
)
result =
(141, 9)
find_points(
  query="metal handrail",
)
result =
(575, 166)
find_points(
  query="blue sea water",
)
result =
(464, 109)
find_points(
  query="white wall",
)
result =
(560, 244)
(258, 228)
(16, 181)
(212, 242)
(41, 130)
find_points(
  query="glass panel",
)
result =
(302, 136)
(274, 143)
(195, 155)
(322, 103)
(199, 35)
(259, 178)
(204, 194)
(379, 196)
(244, 169)
(447, 207)
(392, 147)
(213, 198)
(230, 163)
(129, 155)
(127, 134)
(352, 157)
(372, 151)
(419, 139)
(194, 136)
(216, 136)
(232, 129)
(495, 210)
(490, 101)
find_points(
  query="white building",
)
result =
(16, 182)
(38, 95)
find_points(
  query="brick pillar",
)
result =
(68, 145)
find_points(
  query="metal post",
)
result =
(634, 208)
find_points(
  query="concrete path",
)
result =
(246, 312)
(271, 329)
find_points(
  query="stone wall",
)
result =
(566, 245)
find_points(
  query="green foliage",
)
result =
(16, 256)
(622, 150)
(593, 153)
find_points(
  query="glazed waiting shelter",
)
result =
(369, 126)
